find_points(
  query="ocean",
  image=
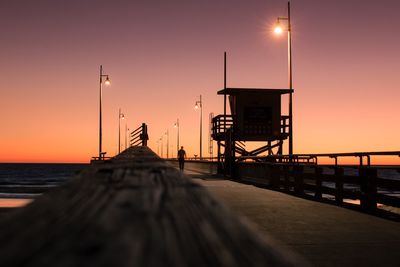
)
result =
(27, 180)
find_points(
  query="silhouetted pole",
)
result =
(289, 30)
(224, 92)
(120, 116)
(162, 147)
(199, 104)
(126, 134)
(290, 83)
(107, 82)
(177, 135)
(167, 134)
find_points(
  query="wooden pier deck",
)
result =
(324, 234)
(135, 210)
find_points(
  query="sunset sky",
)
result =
(161, 55)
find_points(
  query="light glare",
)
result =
(278, 29)
(107, 82)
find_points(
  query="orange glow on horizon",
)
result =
(14, 202)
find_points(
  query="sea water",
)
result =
(35, 177)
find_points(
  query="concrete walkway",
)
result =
(325, 235)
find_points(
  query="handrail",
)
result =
(301, 157)
(366, 185)
(139, 136)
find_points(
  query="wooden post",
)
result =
(368, 186)
(219, 166)
(298, 179)
(275, 179)
(339, 173)
(144, 135)
(318, 182)
(286, 177)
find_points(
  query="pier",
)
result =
(134, 210)
(322, 233)
(137, 209)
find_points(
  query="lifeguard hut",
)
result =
(256, 117)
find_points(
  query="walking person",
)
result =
(181, 158)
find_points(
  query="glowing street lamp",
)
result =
(120, 116)
(106, 82)
(199, 104)
(176, 125)
(279, 30)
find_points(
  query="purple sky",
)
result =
(162, 54)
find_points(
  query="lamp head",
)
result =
(278, 28)
(196, 106)
(107, 81)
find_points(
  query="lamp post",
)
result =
(278, 30)
(120, 116)
(162, 146)
(126, 134)
(106, 82)
(167, 134)
(176, 125)
(199, 104)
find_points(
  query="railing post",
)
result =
(368, 180)
(286, 177)
(275, 179)
(339, 173)
(144, 136)
(318, 182)
(298, 179)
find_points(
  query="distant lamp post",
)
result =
(126, 134)
(162, 146)
(278, 30)
(176, 125)
(121, 116)
(106, 82)
(199, 104)
(167, 134)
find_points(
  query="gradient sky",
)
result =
(161, 55)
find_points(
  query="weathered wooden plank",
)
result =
(135, 210)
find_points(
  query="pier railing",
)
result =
(364, 184)
(139, 136)
(364, 158)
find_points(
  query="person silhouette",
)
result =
(181, 158)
